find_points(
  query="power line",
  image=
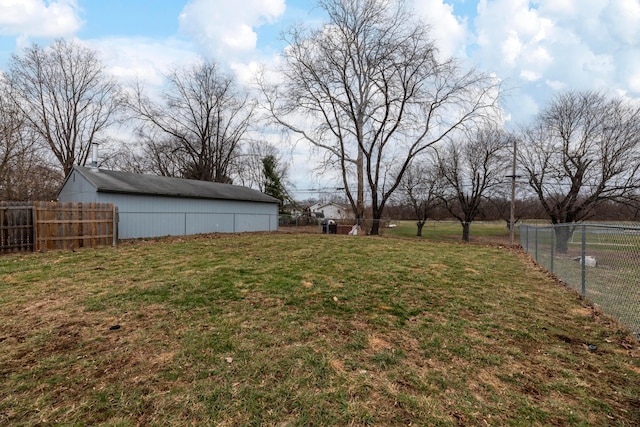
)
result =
(318, 190)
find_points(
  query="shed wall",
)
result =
(153, 216)
(78, 189)
(156, 216)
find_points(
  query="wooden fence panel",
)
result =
(74, 225)
(39, 226)
(16, 227)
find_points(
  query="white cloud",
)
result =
(448, 30)
(225, 28)
(540, 55)
(39, 18)
(521, 106)
(246, 72)
(141, 58)
(561, 7)
(556, 85)
(629, 71)
(544, 46)
(511, 48)
(509, 32)
(623, 19)
(531, 76)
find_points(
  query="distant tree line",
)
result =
(404, 129)
(496, 209)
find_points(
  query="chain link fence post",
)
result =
(553, 244)
(583, 257)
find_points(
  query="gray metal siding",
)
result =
(156, 216)
(78, 189)
(149, 216)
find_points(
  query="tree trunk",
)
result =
(563, 234)
(420, 224)
(377, 215)
(466, 231)
(375, 228)
(360, 199)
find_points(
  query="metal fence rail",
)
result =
(601, 262)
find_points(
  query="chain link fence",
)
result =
(601, 262)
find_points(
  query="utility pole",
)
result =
(512, 219)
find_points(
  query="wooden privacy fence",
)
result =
(16, 227)
(39, 226)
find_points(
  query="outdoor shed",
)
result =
(154, 206)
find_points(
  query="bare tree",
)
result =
(155, 153)
(202, 117)
(499, 204)
(421, 188)
(25, 173)
(250, 167)
(581, 151)
(369, 91)
(12, 138)
(468, 171)
(31, 177)
(66, 97)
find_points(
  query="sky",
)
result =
(538, 48)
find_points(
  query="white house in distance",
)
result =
(331, 211)
(154, 206)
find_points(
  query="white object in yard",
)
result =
(354, 230)
(589, 261)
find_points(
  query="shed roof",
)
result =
(108, 181)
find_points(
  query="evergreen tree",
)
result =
(273, 185)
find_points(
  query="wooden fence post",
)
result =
(114, 229)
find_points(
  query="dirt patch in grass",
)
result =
(378, 343)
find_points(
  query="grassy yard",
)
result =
(295, 329)
(481, 231)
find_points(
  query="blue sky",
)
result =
(104, 18)
(537, 47)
